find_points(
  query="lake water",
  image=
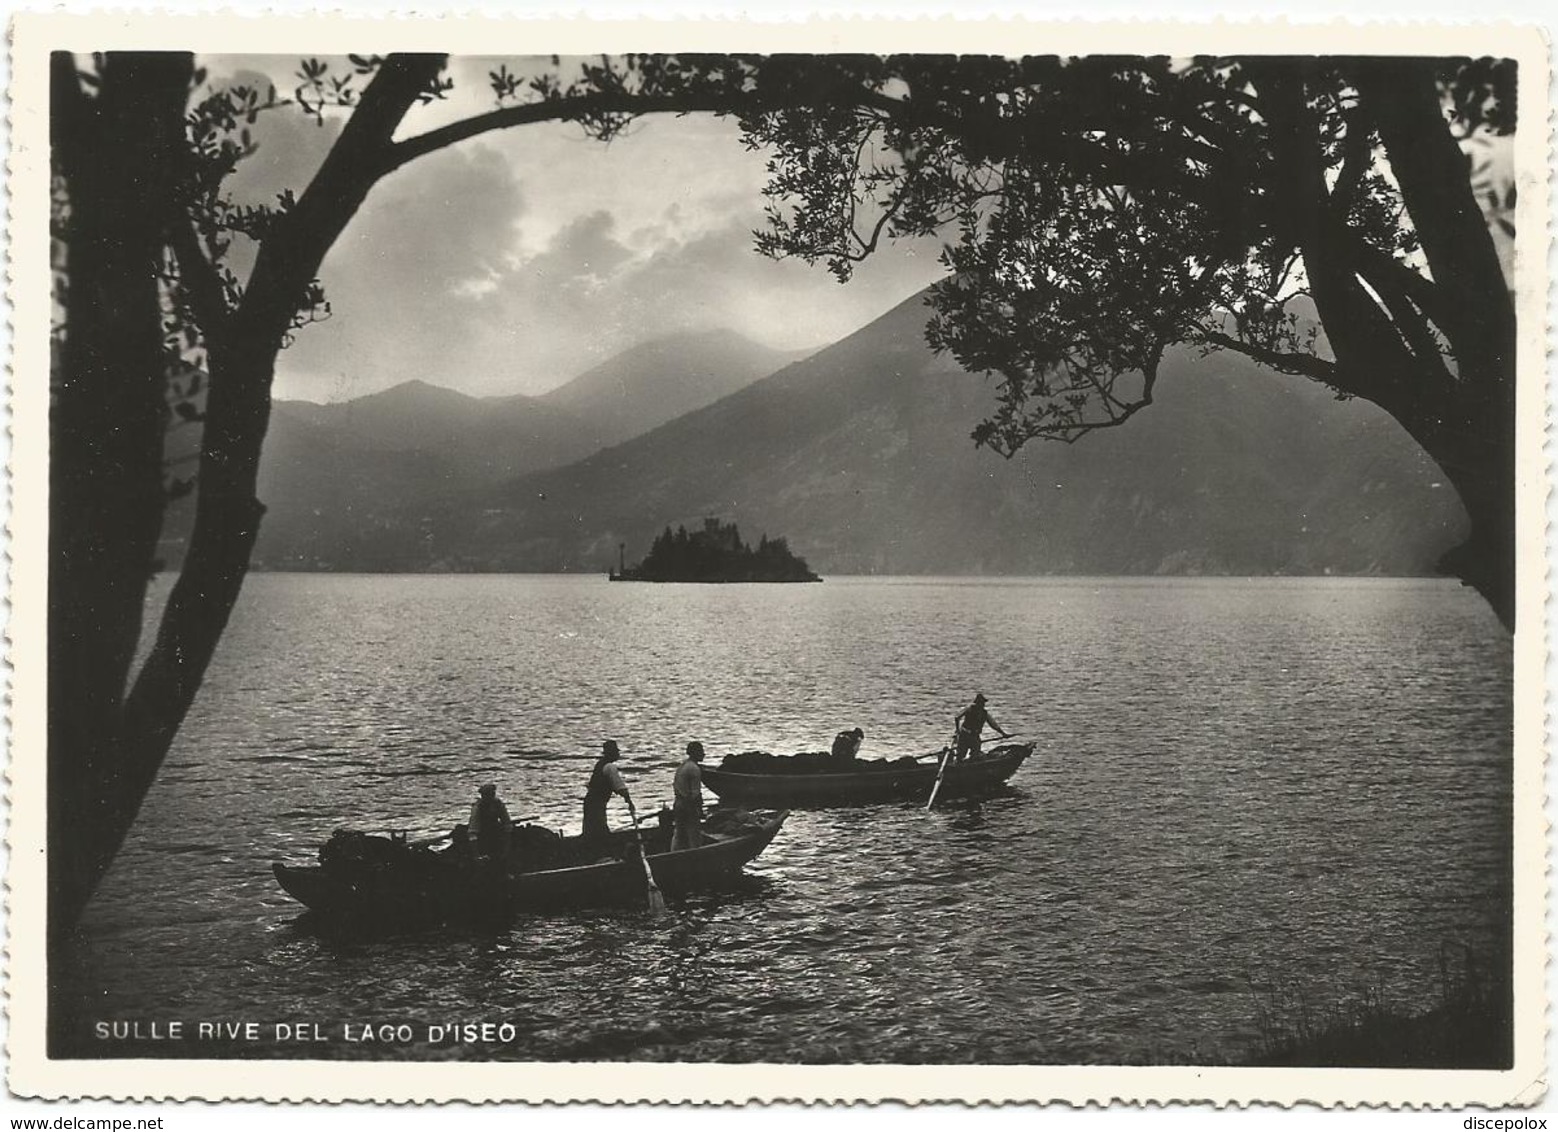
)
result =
(1244, 792)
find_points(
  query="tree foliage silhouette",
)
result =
(1101, 210)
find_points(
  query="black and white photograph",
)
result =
(1009, 557)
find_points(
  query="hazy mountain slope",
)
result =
(335, 477)
(327, 493)
(658, 381)
(860, 455)
(479, 439)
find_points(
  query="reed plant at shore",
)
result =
(1469, 1028)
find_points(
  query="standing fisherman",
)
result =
(605, 780)
(969, 723)
(688, 807)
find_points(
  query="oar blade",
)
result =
(654, 897)
(656, 900)
(946, 757)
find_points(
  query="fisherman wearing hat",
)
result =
(970, 722)
(490, 825)
(605, 780)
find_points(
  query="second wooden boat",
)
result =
(816, 780)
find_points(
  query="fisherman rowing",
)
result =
(970, 723)
(605, 780)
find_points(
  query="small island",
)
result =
(715, 554)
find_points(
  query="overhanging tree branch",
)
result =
(1375, 264)
(1300, 365)
(567, 109)
(1365, 343)
(201, 281)
(1431, 169)
(1413, 328)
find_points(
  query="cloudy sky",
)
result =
(517, 260)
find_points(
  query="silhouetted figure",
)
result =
(687, 810)
(970, 722)
(605, 780)
(846, 745)
(490, 826)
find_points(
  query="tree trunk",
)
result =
(1469, 431)
(1465, 421)
(242, 359)
(1472, 439)
(116, 154)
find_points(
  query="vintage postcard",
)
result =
(727, 562)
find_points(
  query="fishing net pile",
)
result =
(809, 762)
(732, 822)
(537, 846)
(349, 848)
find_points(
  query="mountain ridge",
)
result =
(334, 467)
(667, 377)
(861, 455)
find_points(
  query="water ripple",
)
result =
(1238, 785)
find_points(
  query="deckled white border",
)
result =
(30, 1074)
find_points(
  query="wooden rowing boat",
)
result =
(404, 885)
(809, 780)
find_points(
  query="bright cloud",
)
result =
(514, 261)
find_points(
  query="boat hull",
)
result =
(443, 889)
(888, 783)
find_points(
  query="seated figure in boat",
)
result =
(490, 828)
(687, 812)
(605, 780)
(846, 745)
(970, 722)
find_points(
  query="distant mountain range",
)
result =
(860, 455)
(334, 472)
(483, 439)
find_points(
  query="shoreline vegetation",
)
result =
(715, 554)
(1472, 1027)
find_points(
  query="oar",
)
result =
(1008, 735)
(656, 898)
(946, 757)
(995, 743)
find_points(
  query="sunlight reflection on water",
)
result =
(1237, 783)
